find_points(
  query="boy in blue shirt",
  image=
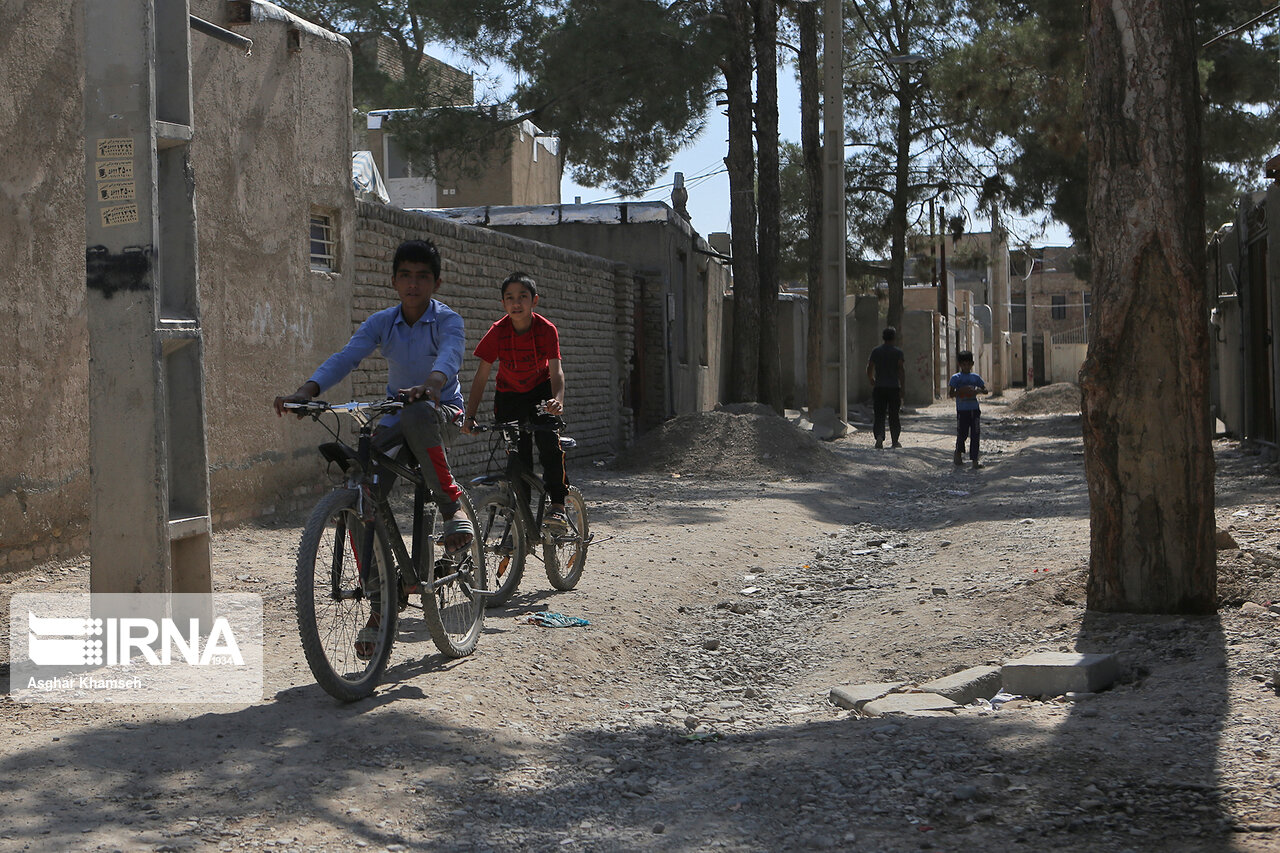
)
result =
(422, 340)
(965, 387)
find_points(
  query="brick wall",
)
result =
(591, 301)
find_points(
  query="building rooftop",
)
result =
(621, 213)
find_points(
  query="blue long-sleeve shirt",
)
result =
(435, 343)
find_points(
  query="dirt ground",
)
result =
(740, 571)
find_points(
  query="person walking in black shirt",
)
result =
(887, 373)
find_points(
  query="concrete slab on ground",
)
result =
(855, 697)
(908, 703)
(1055, 673)
(976, 682)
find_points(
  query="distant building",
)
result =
(1061, 304)
(527, 170)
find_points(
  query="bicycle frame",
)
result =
(371, 466)
(519, 477)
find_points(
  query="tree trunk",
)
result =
(769, 213)
(745, 371)
(1147, 439)
(811, 148)
(898, 210)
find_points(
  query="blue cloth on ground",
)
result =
(548, 619)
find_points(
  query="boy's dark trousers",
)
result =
(967, 426)
(886, 401)
(523, 406)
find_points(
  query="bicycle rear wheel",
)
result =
(565, 554)
(335, 605)
(503, 536)
(454, 613)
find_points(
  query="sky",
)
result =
(708, 182)
(706, 179)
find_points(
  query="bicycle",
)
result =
(352, 551)
(506, 523)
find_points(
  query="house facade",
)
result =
(525, 168)
(270, 162)
(1051, 308)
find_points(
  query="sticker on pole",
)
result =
(135, 648)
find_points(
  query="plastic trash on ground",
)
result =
(548, 619)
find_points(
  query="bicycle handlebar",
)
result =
(525, 426)
(364, 412)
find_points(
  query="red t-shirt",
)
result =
(522, 359)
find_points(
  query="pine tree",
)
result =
(1148, 450)
(1019, 85)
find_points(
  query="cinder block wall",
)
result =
(591, 300)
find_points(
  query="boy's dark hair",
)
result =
(964, 355)
(522, 278)
(889, 333)
(417, 252)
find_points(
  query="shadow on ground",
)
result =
(302, 771)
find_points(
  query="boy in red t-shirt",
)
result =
(527, 348)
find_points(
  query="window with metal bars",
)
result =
(324, 242)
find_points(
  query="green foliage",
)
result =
(1019, 85)
(867, 235)
(624, 83)
(796, 243)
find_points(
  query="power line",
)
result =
(1246, 25)
(689, 183)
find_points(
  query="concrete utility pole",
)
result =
(835, 360)
(999, 278)
(1030, 340)
(149, 501)
(944, 298)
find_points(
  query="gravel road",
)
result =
(728, 591)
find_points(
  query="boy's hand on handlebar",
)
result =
(410, 395)
(553, 407)
(299, 396)
(429, 389)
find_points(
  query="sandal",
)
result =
(367, 639)
(455, 528)
(555, 522)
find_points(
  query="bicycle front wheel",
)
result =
(452, 609)
(565, 554)
(346, 616)
(502, 534)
